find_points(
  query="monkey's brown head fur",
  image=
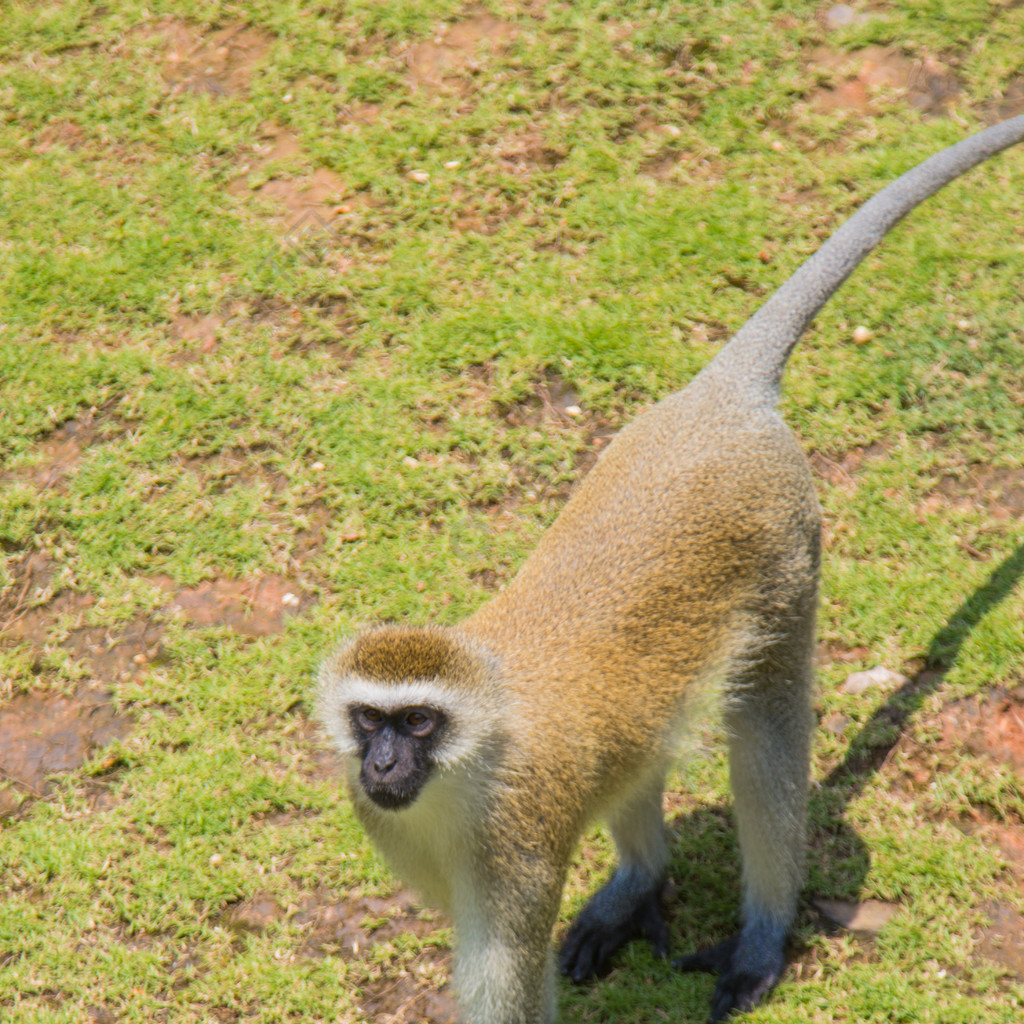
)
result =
(389, 653)
(395, 667)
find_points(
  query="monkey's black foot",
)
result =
(605, 926)
(740, 986)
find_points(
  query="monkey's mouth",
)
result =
(390, 796)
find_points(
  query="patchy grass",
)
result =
(312, 315)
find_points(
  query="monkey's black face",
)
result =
(397, 751)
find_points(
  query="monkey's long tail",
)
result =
(757, 353)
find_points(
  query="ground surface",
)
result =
(312, 315)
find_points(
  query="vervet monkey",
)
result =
(688, 558)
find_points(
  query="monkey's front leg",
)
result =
(629, 905)
(504, 971)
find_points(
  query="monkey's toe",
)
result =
(738, 992)
(594, 938)
(738, 989)
(716, 960)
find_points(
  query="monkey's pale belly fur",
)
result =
(687, 559)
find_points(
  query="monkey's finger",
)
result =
(716, 960)
(590, 957)
(739, 992)
(570, 950)
(576, 960)
(656, 933)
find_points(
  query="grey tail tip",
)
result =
(755, 358)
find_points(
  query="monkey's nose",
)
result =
(384, 763)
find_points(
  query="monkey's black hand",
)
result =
(739, 988)
(605, 926)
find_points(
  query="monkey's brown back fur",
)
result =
(660, 569)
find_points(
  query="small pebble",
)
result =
(870, 916)
(840, 16)
(881, 676)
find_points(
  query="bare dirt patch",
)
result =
(308, 201)
(683, 166)
(244, 465)
(309, 540)
(62, 134)
(199, 333)
(36, 608)
(1009, 104)
(35, 582)
(355, 929)
(520, 153)
(840, 470)
(864, 78)
(832, 651)
(42, 735)
(992, 727)
(37, 604)
(253, 607)
(553, 400)
(356, 924)
(59, 453)
(483, 215)
(1002, 941)
(218, 63)
(999, 490)
(403, 1000)
(118, 652)
(1008, 839)
(318, 194)
(457, 51)
(551, 404)
(989, 726)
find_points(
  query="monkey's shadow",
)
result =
(705, 855)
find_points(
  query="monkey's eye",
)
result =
(419, 723)
(371, 718)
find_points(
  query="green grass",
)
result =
(612, 188)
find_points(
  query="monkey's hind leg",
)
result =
(629, 904)
(769, 722)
